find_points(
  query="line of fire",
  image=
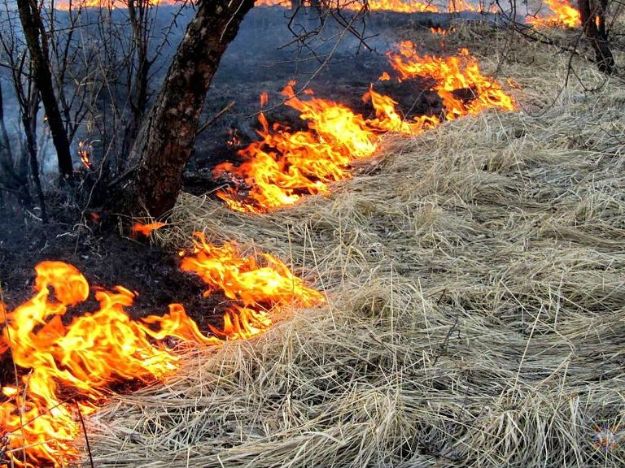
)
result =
(109, 109)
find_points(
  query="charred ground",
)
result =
(256, 62)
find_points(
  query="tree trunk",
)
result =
(11, 180)
(165, 141)
(6, 155)
(592, 14)
(29, 121)
(32, 25)
(138, 88)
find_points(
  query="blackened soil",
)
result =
(106, 260)
(264, 58)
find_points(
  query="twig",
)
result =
(214, 118)
(84, 430)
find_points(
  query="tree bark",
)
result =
(592, 13)
(33, 27)
(138, 88)
(166, 139)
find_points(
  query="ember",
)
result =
(146, 229)
(65, 370)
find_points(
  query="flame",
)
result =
(388, 119)
(562, 14)
(458, 80)
(243, 278)
(84, 153)
(285, 165)
(264, 98)
(107, 4)
(146, 229)
(398, 6)
(66, 366)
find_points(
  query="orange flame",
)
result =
(66, 369)
(242, 278)
(284, 165)
(146, 229)
(108, 4)
(398, 6)
(264, 98)
(388, 119)
(84, 153)
(562, 14)
(458, 80)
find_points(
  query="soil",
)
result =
(342, 75)
(106, 259)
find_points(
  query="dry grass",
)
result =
(476, 304)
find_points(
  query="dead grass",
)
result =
(476, 303)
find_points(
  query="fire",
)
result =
(285, 165)
(562, 14)
(388, 119)
(398, 6)
(456, 6)
(84, 153)
(146, 229)
(243, 278)
(458, 80)
(107, 4)
(264, 98)
(66, 366)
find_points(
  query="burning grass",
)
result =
(560, 13)
(285, 165)
(67, 366)
(475, 313)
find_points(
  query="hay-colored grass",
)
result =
(476, 302)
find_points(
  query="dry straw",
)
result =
(476, 299)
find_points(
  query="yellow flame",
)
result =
(284, 165)
(561, 14)
(67, 365)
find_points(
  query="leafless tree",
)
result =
(97, 69)
(167, 137)
(37, 41)
(593, 17)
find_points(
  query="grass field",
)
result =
(475, 300)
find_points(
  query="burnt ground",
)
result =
(264, 58)
(253, 64)
(106, 259)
